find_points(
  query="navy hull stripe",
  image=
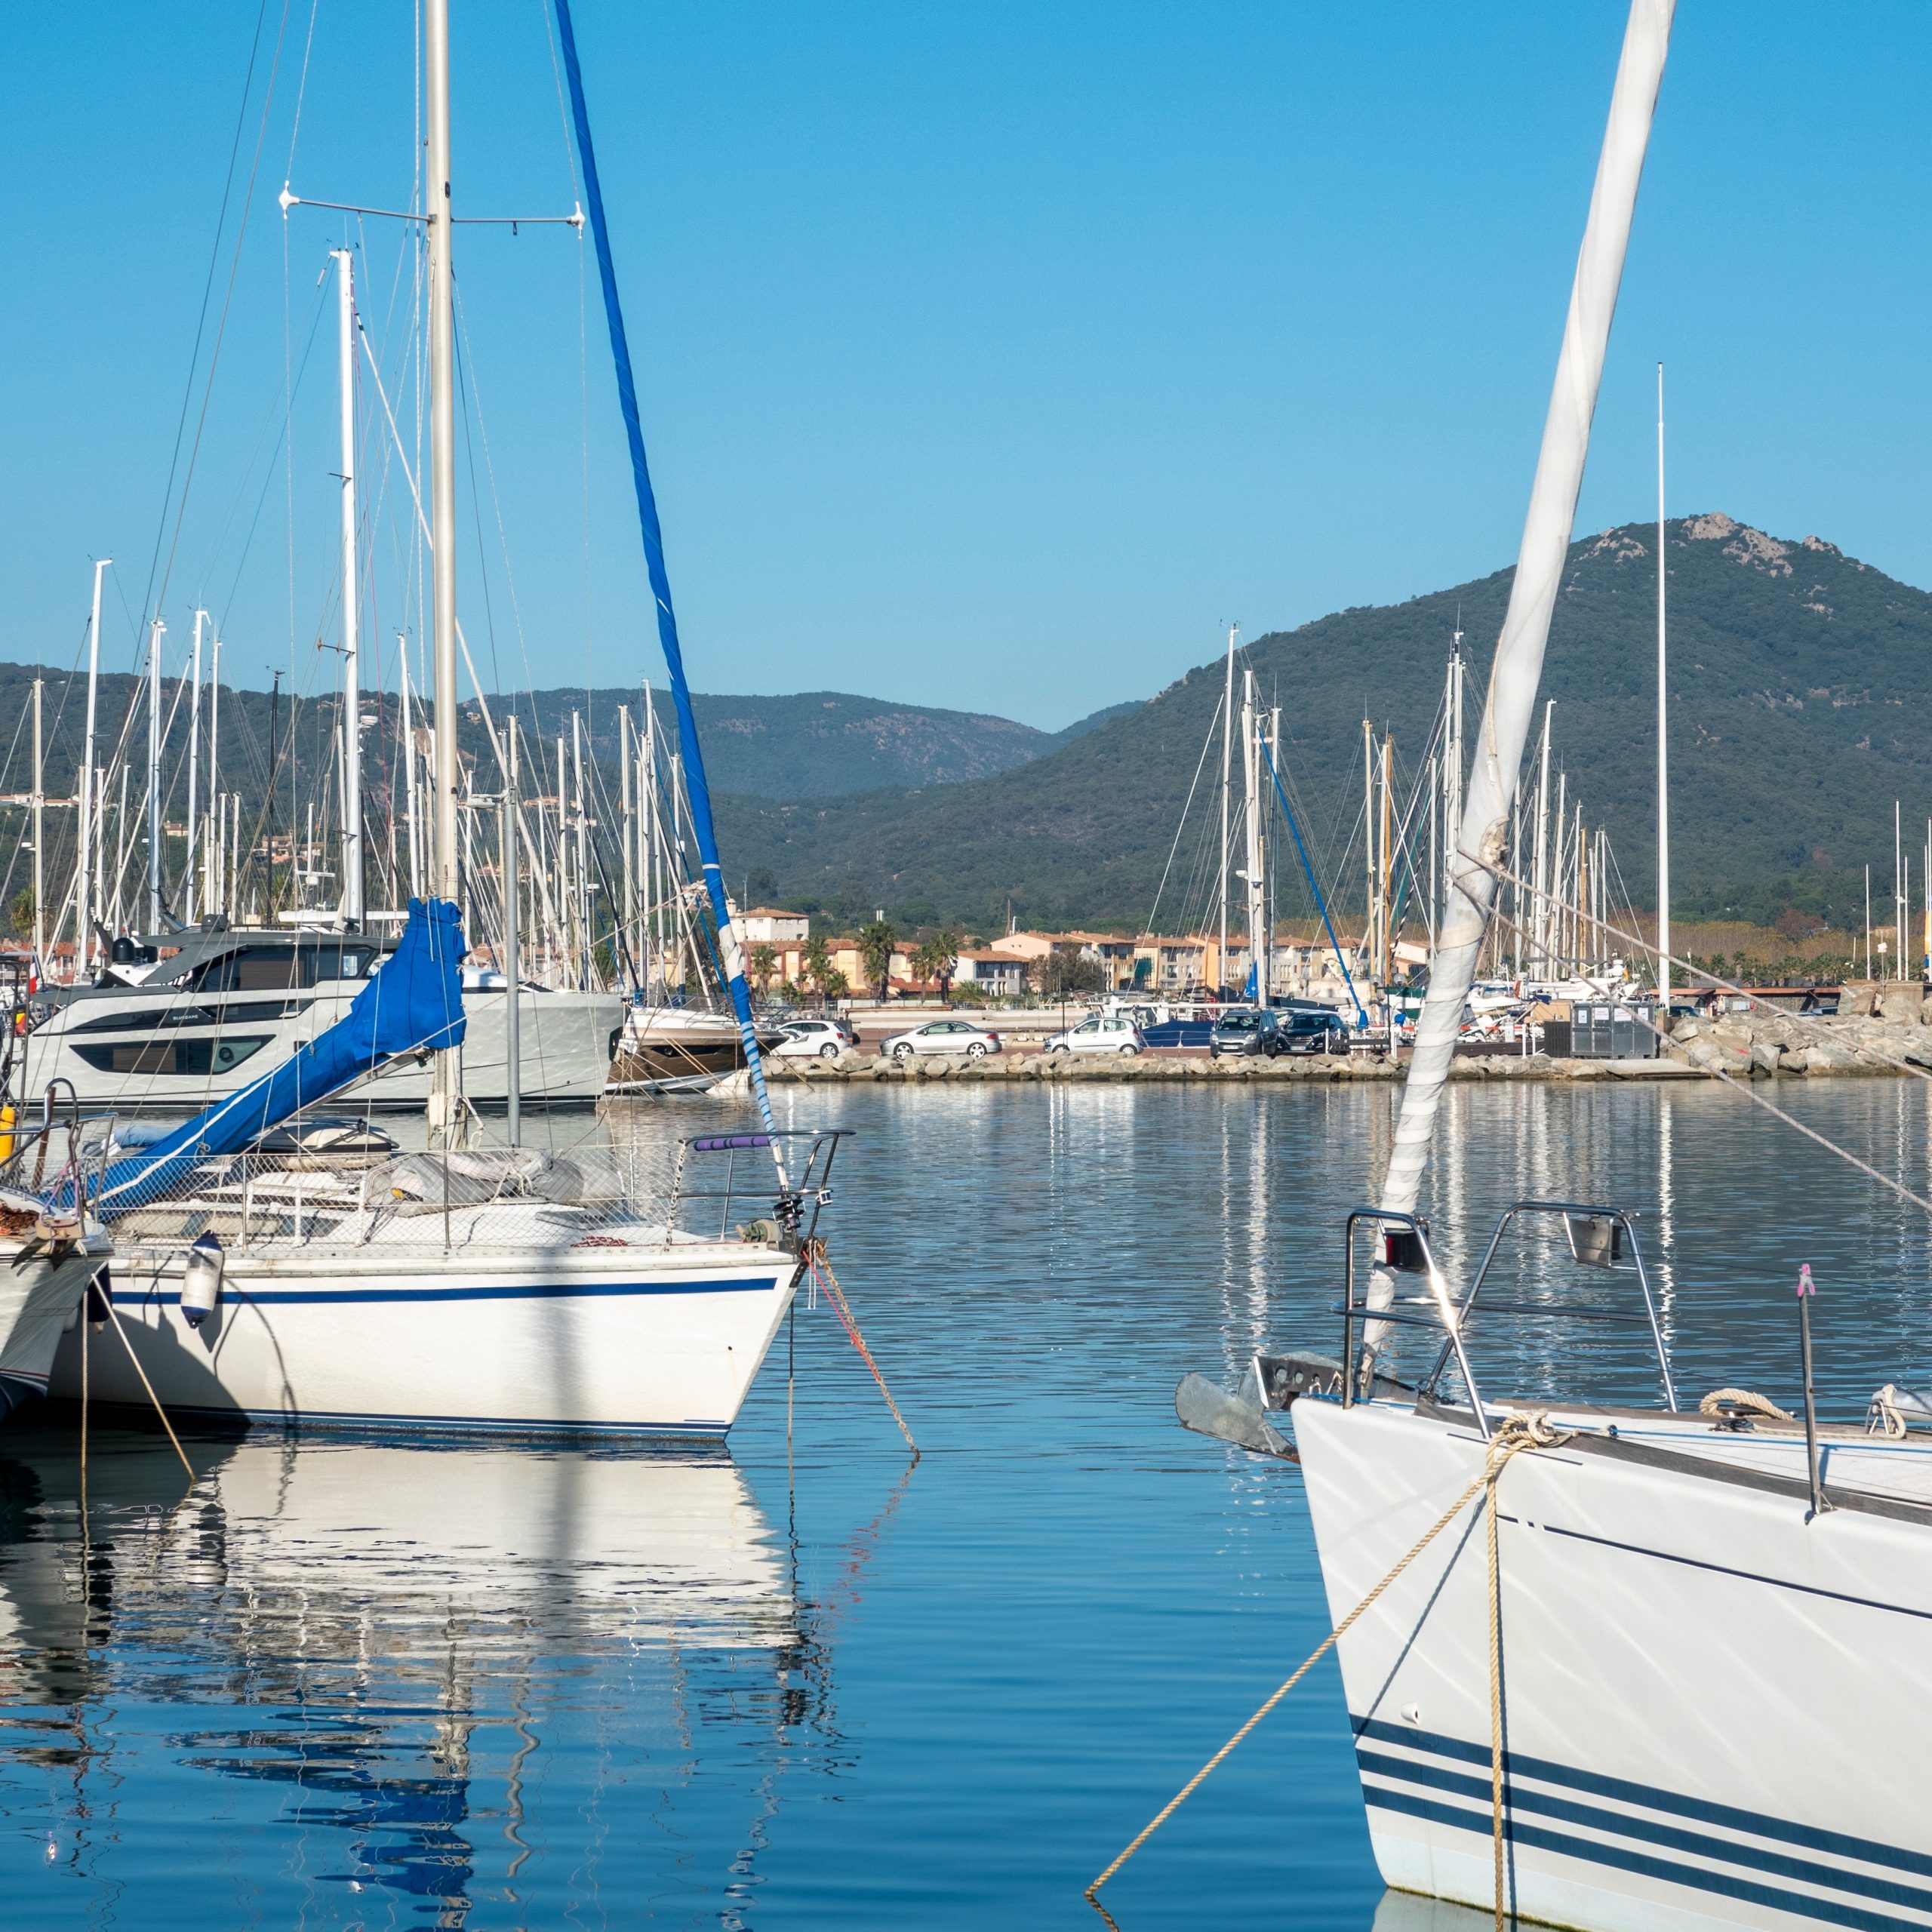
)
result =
(533, 1291)
(1623, 1858)
(1673, 1838)
(1812, 1838)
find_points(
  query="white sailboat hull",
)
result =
(1714, 1709)
(38, 1299)
(602, 1338)
(567, 1039)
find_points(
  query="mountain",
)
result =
(821, 744)
(1798, 705)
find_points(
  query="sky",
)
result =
(994, 357)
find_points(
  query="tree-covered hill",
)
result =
(1799, 707)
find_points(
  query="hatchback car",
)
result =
(812, 1039)
(1248, 1030)
(1105, 1033)
(943, 1036)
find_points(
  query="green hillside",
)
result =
(1799, 707)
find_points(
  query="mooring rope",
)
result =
(1514, 1434)
(821, 1273)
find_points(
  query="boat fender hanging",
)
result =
(100, 1298)
(201, 1280)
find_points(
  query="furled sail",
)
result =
(413, 1004)
(729, 954)
(1518, 669)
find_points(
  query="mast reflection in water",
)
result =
(458, 1674)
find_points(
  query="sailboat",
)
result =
(469, 1287)
(1614, 1668)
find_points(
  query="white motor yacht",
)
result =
(201, 1023)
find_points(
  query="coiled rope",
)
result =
(1514, 1434)
(820, 1270)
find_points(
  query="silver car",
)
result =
(942, 1036)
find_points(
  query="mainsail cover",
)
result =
(729, 954)
(413, 1004)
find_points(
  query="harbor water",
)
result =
(373, 1684)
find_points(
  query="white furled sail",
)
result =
(1519, 653)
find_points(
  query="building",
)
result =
(766, 925)
(999, 975)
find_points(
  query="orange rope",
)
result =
(821, 1273)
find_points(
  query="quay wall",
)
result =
(1755, 1046)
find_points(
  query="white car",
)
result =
(1105, 1033)
(943, 1036)
(812, 1039)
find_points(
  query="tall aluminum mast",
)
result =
(156, 632)
(1663, 740)
(188, 898)
(89, 876)
(39, 843)
(445, 1096)
(1227, 779)
(351, 674)
(1250, 742)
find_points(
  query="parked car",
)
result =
(943, 1036)
(1302, 1032)
(1248, 1030)
(1105, 1033)
(812, 1039)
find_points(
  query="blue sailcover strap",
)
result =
(414, 1003)
(730, 955)
(1321, 904)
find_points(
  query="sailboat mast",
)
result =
(351, 673)
(1371, 951)
(216, 880)
(39, 844)
(90, 833)
(1518, 668)
(443, 1099)
(1227, 774)
(1250, 741)
(628, 904)
(1663, 739)
(156, 632)
(188, 896)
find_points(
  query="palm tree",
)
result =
(815, 962)
(876, 944)
(764, 963)
(936, 958)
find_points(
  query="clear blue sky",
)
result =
(992, 356)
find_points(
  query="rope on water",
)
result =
(1515, 1433)
(821, 1273)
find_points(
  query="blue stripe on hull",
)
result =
(1528, 1808)
(531, 1291)
(1623, 1858)
(355, 1421)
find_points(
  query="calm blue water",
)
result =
(362, 1686)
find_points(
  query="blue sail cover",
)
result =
(414, 1001)
(730, 955)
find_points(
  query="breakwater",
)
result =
(1158, 1069)
(1757, 1045)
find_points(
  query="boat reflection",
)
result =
(400, 1644)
